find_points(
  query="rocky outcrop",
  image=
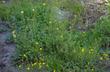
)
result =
(93, 11)
(7, 49)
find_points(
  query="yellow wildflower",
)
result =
(50, 22)
(24, 55)
(61, 36)
(43, 63)
(40, 65)
(28, 68)
(22, 12)
(33, 9)
(14, 34)
(54, 70)
(101, 58)
(91, 50)
(44, 4)
(19, 66)
(41, 49)
(92, 69)
(57, 28)
(34, 64)
(105, 55)
(36, 43)
(82, 50)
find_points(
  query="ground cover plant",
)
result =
(44, 43)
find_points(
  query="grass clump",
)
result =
(4, 12)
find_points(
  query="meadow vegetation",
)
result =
(44, 42)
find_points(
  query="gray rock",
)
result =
(6, 51)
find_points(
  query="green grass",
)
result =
(43, 42)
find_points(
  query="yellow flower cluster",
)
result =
(22, 12)
(41, 64)
(104, 56)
